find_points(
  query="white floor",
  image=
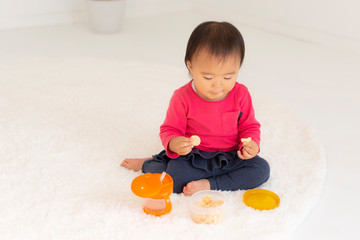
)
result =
(319, 83)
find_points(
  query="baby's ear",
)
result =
(188, 63)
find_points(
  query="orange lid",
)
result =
(147, 185)
(261, 199)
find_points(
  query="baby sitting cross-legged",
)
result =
(218, 109)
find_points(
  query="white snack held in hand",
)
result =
(195, 140)
(246, 140)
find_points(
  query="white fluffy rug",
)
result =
(65, 126)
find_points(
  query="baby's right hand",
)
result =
(181, 145)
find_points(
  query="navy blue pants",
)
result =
(224, 170)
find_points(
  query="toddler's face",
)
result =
(214, 78)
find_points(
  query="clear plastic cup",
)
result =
(206, 212)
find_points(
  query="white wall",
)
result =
(331, 22)
(330, 16)
(26, 13)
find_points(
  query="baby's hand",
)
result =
(249, 150)
(181, 145)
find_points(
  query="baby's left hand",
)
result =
(248, 150)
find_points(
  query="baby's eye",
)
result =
(227, 78)
(208, 78)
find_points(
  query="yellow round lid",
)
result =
(261, 199)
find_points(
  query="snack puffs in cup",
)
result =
(207, 207)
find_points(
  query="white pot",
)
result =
(106, 16)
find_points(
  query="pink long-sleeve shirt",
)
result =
(219, 124)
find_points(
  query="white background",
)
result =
(304, 54)
(328, 21)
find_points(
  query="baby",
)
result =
(218, 109)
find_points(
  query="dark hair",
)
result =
(217, 38)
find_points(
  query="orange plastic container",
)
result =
(156, 192)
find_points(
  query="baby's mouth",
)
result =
(215, 93)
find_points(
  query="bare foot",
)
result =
(195, 186)
(133, 163)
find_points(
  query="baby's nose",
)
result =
(216, 83)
